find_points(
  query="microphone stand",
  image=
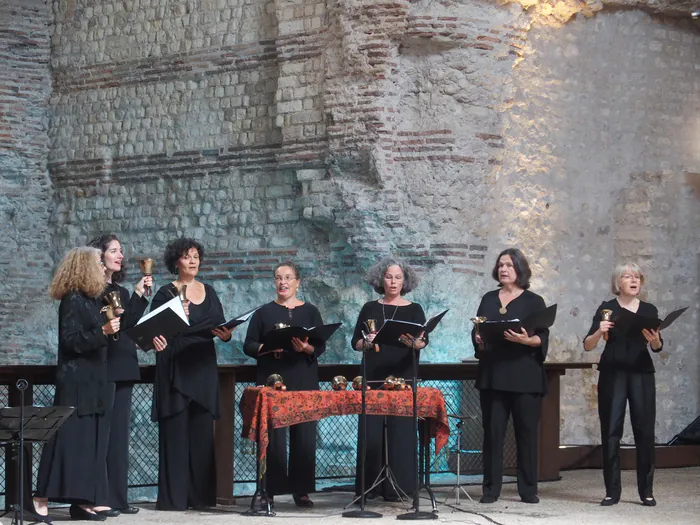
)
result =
(417, 514)
(362, 513)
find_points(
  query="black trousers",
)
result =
(297, 476)
(73, 466)
(118, 449)
(496, 406)
(400, 449)
(615, 389)
(186, 464)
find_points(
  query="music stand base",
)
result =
(417, 515)
(361, 514)
(261, 512)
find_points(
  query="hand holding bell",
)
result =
(477, 321)
(113, 309)
(605, 316)
(111, 327)
(368, 336)
(147, 271)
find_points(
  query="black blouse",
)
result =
(186, 370)
(625, 351)
(390, 360)
(508, 366)
(299, 370)
(122, 361)
(81, 370)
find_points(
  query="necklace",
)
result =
(392, 315)
(502, 310)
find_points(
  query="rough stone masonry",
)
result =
(333, 132)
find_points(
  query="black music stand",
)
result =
(19, 425)
(417, 514)
(362, 513)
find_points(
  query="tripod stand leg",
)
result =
(260, 491)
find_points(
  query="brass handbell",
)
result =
(182, 293)
(280, 326)
(357, 383)
(275, 381)
(389, 383)
(371, 327)
(114, 303)
(477, 321)
(146, 270)
(401, 384)
(339, 383)
(606, 315)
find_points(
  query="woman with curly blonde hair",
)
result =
(73, 463)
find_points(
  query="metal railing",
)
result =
(337, 436)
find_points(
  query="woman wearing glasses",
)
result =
(298, 366)
(626, 374)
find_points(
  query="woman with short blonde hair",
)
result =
(626, 375)
(73, 463)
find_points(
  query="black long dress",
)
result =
(396, 361)
(73, 466)
(185, 405)
(626, 374)
(511, 381)
(123, 371)
(299, 372)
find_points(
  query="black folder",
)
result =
(167, 320)
(233, 323)
(626, 321)
(493, 331)
(393, 329)
(282, 338)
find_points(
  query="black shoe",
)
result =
(303, 501)
(487, 498)
(129, 510)
(530, 499)
(109, 513)
(649, 502)
(608, 501)
(79, 513)
(38, 518)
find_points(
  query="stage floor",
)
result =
(574, 499)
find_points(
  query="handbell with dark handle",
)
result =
(371, 326)
(606, 315)
(147, 270)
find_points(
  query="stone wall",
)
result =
(335, 132)
(25, 189)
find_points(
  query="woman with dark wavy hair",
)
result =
(72, 468)
(122, 369)
(392, 279)
(186, 389)
(510, 377)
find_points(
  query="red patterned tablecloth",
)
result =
(264, 408)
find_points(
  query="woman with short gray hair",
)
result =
(392, 279)
(626, 375)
